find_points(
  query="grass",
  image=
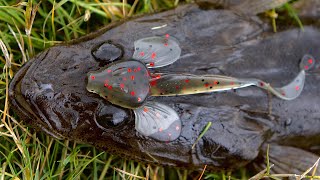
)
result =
(29, 27)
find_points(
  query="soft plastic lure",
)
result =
(129, 83)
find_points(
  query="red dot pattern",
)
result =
(126, 87)
(153, 55)
(181, 86)
(153, 83)
(261, 84)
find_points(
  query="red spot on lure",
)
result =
(153, 55)
(132, 93)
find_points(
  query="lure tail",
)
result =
(295, 87)
(287, 92)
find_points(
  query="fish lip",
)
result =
(23, 108)
(18, 77)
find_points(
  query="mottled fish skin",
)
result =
(50, 91)
(247, 7)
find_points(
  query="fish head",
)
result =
(57, 101)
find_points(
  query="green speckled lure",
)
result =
(129, 83)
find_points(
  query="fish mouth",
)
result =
(18, 101)
(50, 106)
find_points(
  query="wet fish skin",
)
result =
(50, 91)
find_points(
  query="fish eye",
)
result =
(107, 52)
(112, 116)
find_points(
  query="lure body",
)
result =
(186, 84)
(129, 83)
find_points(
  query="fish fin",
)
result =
(253, 7)
(287, 160)
(157, 121)
(157, 51)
